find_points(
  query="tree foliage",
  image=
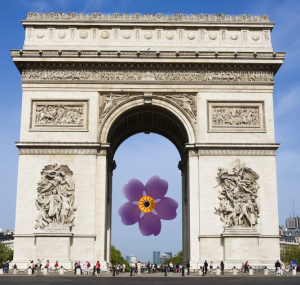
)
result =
(5, 253)
(117, 258)
(290, 253)
(175, 259)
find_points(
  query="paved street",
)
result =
(146, 279)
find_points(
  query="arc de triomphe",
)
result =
(91, 81)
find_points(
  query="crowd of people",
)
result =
(142, 268)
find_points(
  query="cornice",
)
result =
(239, 149)
(61, 144)
(87, 55)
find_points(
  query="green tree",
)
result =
(175, 259)
(116, 257)
(5, 253)
(290, 253)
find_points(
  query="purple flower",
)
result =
(147, 205)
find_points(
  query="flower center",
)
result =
(146, 204)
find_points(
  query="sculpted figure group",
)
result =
(59, 115)
(225, 116)
(238, 205)
(155, 75)
(55, 201)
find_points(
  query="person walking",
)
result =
(48, 266)
(222, 266)
(88, 265)
(211, 267)
(75, 267)
(32, 267)
(56, 265)
(139, 267)
(246, 267)
(188, 267)
(205, 267)
(98, 266)
(278, 268)
(39, 264)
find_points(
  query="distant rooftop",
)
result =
(159, 17)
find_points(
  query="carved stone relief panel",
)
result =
(55, 199)
(153, 75)
(238, 192)
(59, 115)
(235, 116)
(108, 102)
(187, 102)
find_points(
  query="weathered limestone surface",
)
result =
(204, 82)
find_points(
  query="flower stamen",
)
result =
(146, 204)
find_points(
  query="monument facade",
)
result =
(91, 81)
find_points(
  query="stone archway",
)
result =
(129, 116)
(203, 81)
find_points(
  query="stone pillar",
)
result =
(218, 271)
(250, 271)
(110, 168)
(294, 272)
(45, 271)
(61, 271)
(101, 207)
(185, 239)
(234, 271)
(265, 271)
(29, 271)
(193, 205)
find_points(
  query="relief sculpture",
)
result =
(187, 102)
(154, 75)
(109, 101)
(238, 206)
(55, 200)
(225, 116)
(52, 115)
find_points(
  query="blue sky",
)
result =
(160, 154)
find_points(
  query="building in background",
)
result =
(169, 253)
(7, 238)
(163, 257)
(292, 228)
(156, 255)
(131, 258)
(290, 235)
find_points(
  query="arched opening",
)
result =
(149, 119)
(141, 156)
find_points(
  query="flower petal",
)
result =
(133, 190)
(156, 187)
(130, 214)
(166, 208)
(150, 225)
